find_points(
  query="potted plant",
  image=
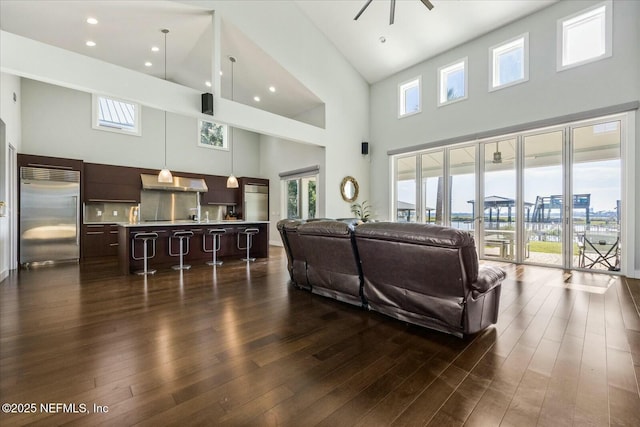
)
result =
(362, 211)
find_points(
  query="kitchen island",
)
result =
(196, 255)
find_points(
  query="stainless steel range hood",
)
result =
(150, 182)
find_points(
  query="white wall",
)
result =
(57, 122)
(279, 155)
(10, 115)
(288, 36)
(546, 95)
(292, 40)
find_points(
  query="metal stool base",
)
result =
(249, 233)
(214, 263)
(142, 272)
(181, 267)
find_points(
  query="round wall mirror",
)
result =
(349, 189)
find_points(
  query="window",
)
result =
(409, 97)
(509, 63)
(300, 193)
(585, 37)
(116, 115)
(452, 82)
(301, 197)
(212, 135)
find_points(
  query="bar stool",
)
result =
(215, 234)
(248, 233)
(144, 238)
(180, 235)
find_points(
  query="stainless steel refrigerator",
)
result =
(256, 202)
(49, 215)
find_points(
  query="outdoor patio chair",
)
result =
(599, 249)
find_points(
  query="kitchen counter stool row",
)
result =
(141, 248)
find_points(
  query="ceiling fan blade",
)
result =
(392, 13)
(427, 3)
(363, 9)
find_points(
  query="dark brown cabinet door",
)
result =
(111, 183)
(218, 193)
(99, 240)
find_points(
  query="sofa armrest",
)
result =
(488, 278)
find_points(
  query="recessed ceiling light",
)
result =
(220, 72)
(155, 49)
(148, 64)
(90, 43)
(256, 98)
(382, 39)
(272, 89)
(92, 21)
(208, 84)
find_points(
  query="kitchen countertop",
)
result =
(188, 222)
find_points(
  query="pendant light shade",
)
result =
(165, 174)
(232, 181)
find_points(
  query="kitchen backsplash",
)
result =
(123, 212)
(107, 211)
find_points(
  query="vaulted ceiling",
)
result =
(127, 30)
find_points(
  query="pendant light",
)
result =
(232, 181)
(165, 173)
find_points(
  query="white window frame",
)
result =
(303, 214)
(137, 119)
(503, 47)
(443, 75)
(402, 88)
(608, 35)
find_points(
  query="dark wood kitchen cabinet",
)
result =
(218, 193)
(107, 183)
(49, 162)
(99, 240)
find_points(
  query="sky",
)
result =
(600, 179)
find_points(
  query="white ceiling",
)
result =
(127, 30)
(416, 35)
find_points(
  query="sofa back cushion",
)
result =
(332, 261)
(296, 252)
(427, 235)
(285, 243)
(417, 269)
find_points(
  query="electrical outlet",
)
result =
(115, 213)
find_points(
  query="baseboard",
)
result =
(3, 275)
(275, 243)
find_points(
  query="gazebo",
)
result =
(498, 202)
(406, 210)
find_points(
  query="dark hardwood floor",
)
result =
(240, 346)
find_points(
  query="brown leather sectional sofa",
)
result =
(418, 273)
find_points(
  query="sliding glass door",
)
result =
(546, 197)
(432, 186)
(543, 196)
(462, 187)
(499, 203)
(596, 186)
(406, 188)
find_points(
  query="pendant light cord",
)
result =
(165, 31)
(233, 60)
